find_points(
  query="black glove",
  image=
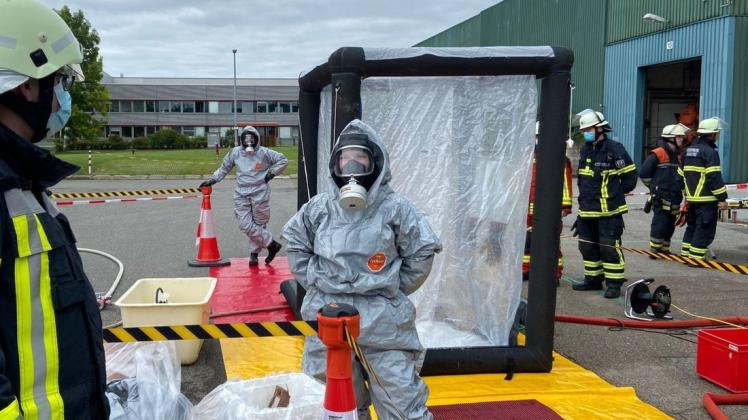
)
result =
(268, 176)
(574, 232)
(208, 183)
(648, 205)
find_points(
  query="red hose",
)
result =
(656, 325)
(713, 401)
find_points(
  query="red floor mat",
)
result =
(242, 287)
(495, 410)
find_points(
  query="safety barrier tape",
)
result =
(57, 196)
(123, 200)
(693, 262)
(210, 331)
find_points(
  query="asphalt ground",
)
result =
(156, 238)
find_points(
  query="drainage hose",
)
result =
(712, 402)
(657, 325)
(106, 297)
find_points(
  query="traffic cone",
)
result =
(208, 254)
(332, 321)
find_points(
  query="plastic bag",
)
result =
(144, 382)
(249, 399)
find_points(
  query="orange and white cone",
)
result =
(208, 254)
(334, 322)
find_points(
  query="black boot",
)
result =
(589, 283)
(273, 249)
(253, 259)
(613, 289)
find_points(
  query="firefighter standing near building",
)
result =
(565, 211)
(606, 173)
(705, 191)
(660, 173)
(51, 346)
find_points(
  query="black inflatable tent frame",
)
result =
(346, 68)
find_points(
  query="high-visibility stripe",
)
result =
(719, 191)
(23, 335)
(11, 411)
(711, 169)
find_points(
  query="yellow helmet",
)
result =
(34, 43)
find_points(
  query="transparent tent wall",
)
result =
(461, 150)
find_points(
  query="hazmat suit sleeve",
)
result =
(226, 166)
(277, 161)
(416, 244)
(299, 233)
(8, 404)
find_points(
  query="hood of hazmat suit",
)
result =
(371, 258)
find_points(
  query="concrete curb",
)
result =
(152, 177)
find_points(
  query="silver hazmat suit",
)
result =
(252, 193)
(336, 255)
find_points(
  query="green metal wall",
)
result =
(542, 22)
(738, 153)
(625, 16)
(464, 34)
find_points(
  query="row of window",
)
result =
(142, 131)
(211, 107)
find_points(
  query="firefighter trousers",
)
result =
(662, 229)
(599, 244)
(702, 226)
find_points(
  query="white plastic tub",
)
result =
(188, 304)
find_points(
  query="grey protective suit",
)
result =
(252, 193)
(330, 252)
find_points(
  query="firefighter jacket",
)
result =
(702, 173)
(606, 174)
(660, 172)
(566, 197)
(51, 350)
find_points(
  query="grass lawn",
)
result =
(161, 162)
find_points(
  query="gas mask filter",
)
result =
(352, 164)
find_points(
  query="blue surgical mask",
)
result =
(589, 136)
(58, 119)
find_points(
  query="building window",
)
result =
(125, 106)
(114, 106)
(163, 106)
(285, 107)
(188, 107)
(150, 130)
(139, 131)
(262, 107)
(200, 106)
(176, 106)
(138, 106)
(225, 108)
(188, 131)
(150, 106)
(247, 107)
(273, 107)
(213, 107)
(126, 132)
(294, 107)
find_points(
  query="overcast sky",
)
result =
(279, 38)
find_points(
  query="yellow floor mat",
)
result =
(570, 390)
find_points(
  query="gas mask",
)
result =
(249, 142)
(353, 168)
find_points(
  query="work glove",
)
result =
(574, 232)
(648, 205)
(268, 176)
(208, 183)
(683, 216)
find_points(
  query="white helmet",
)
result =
(667, 131)
(710, 126)
(675, 130)
(589, 118)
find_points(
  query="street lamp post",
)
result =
(236, 129)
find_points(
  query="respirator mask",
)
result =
(354, 165)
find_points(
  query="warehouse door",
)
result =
(672, 95)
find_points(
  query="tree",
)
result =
(89, 97)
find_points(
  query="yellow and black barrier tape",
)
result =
(108, 194)
(693, 262)
(210, 331)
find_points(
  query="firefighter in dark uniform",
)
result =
(660, 173)
(51, 350)
(704, 188)
(606, 173)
